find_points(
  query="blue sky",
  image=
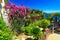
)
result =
(45, 5)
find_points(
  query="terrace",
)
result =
(27, 24)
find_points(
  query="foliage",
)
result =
(50, 17)
(15, 11)
(27, 22)
(17, 15)
(36, 14)
(27, 30)
(33, 28)
(59, 23)
(36, 32)
(33, 31)
(53, 16)
(57, 14)
(34, 24)
(6, 1)
(44, 23)
(5, 33)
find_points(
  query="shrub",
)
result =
(33, 31)
(5, 33)
(17, 15)
(44, 23)
(27, 30)
(36, 32)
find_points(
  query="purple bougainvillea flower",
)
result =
(7, 6)
(16, 10)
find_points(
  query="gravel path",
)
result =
(54, 37)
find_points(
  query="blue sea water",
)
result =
(47, 15)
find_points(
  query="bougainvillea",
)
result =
(16, 15)
(14, 10)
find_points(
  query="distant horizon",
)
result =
(51, 11)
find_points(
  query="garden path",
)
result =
(54, 36)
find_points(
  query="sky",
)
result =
(45, 5)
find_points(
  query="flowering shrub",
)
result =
(16, 15)
(20, 16)
(15, 10)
